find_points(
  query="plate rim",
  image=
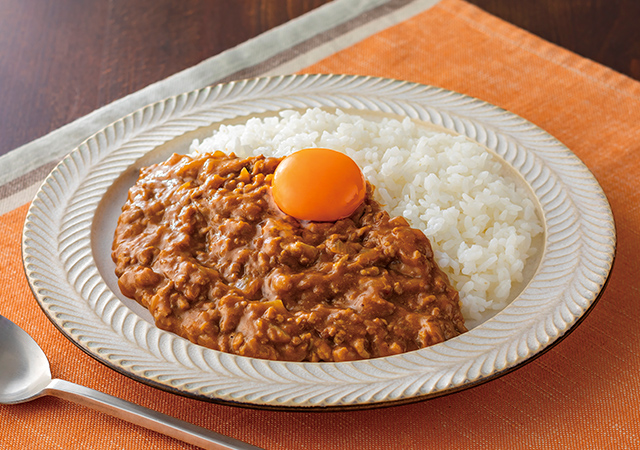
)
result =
(34, 244)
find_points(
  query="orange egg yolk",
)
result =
(318, 184)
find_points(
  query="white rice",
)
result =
(480, 224)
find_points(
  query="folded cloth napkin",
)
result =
(581, 394)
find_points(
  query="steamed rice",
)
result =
(481, 225)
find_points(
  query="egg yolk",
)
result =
(318, 184)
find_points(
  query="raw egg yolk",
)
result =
(318, 184)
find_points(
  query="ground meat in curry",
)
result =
(202, 245)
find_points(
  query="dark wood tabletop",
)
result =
(62, 59)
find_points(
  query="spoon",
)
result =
(25, 375)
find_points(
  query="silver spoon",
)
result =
(25, 375)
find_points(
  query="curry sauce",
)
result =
(202, 245)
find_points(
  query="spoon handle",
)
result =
(144, 417)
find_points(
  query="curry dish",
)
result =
(202, 245)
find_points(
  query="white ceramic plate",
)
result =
(68, 233)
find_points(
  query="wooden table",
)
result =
(62, 59)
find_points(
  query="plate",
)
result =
(69, 228)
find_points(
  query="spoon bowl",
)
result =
(25, 375)
(24, 368)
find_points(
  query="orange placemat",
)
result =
(581, 394)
